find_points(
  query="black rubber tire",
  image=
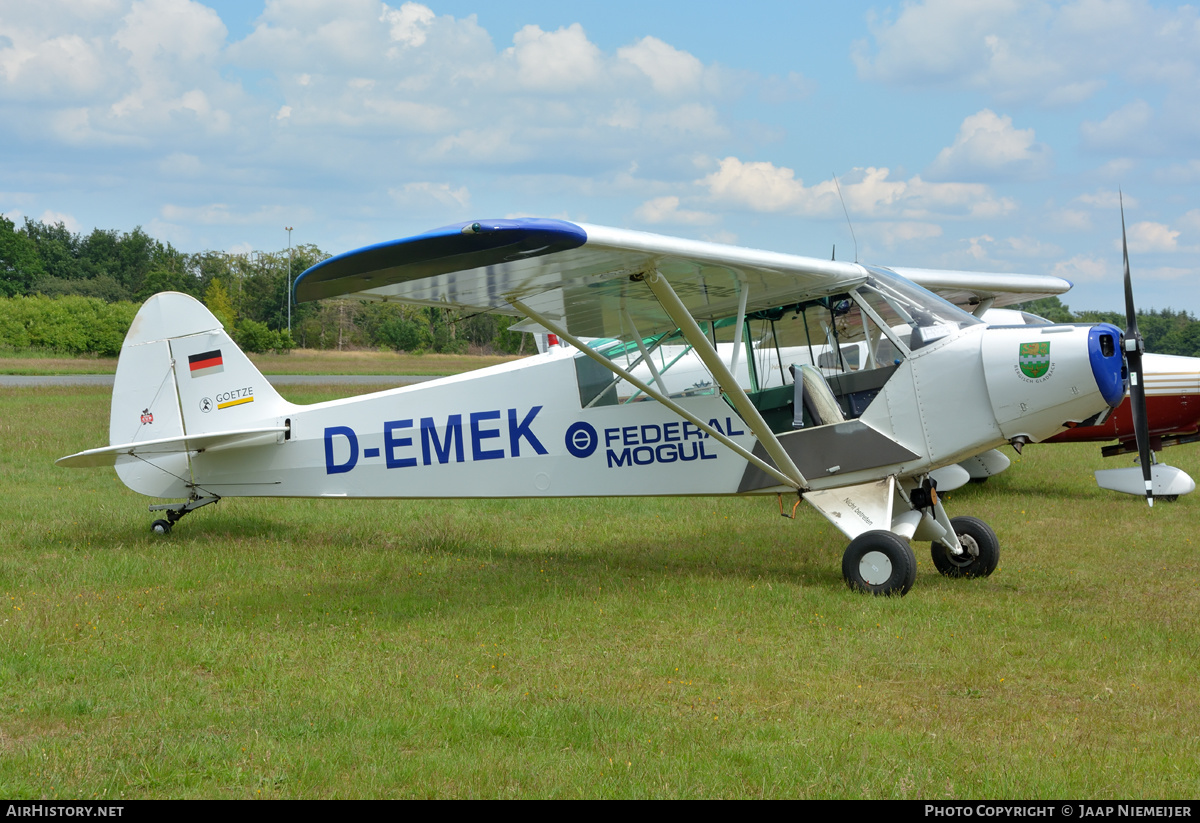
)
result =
(161, 527)
(880, 563)
(967, 565)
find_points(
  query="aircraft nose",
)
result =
(1108, 364)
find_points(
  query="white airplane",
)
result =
(1170, 383)
(192, 418)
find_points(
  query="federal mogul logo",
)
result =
(646, 443)
(1033, 360)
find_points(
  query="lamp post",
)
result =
(289, 279)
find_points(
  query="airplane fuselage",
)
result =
(526, 429)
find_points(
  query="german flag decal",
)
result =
(206, 363)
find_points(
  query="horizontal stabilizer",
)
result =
(108, 455)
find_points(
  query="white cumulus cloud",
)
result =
(1083, 268)
(1128, 128)
(666, 210)
(869, 193)
(555, 60)
(51, 218)
(1151, 237)
(670, 70)
(408, 24)
(763, 186)
(988, 147)
(1052, 54)
(896, 233)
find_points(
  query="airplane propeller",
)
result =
(1134, 347)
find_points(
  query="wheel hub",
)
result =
(875, 568)
(970, 551)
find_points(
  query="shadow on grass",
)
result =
(328, 561)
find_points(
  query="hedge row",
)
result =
(76, 325)
(68, 325)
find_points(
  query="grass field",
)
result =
(600, 648)
(299, 361)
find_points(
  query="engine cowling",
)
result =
(1042, 378)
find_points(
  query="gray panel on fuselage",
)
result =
(851, 446)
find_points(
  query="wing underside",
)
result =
(589, 279)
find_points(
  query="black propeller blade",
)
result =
(1134, 347)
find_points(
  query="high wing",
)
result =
(976, 292)
(587, 279)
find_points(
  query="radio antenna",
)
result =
(847, 213)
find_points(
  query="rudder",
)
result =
(180, 373)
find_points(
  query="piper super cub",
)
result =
(192, 418)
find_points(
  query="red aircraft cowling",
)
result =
(1172, 408)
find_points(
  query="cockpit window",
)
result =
(867, 330)
(901, 303)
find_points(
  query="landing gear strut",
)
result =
(175, 511)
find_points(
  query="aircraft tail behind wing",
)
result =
(181, 375)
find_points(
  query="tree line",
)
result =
(77, 293)
(1165, 331)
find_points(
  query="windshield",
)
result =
(901, 303)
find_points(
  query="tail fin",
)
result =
(181, 374)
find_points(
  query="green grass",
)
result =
(34, 362)
(299, 361)
(580, 648)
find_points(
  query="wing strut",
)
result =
(661, 398)
(683, 319)
(617, 378)
(641, 344)
(738, 342)
(666, 368)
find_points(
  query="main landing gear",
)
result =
(981, 550)
(175, 511)
(879, 562)
(882, 563)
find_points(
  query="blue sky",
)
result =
(989, 135)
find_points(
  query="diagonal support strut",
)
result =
(683, 319)
(661, 398)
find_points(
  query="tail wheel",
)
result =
(981, 550)
(162, 527)
(878, 562)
